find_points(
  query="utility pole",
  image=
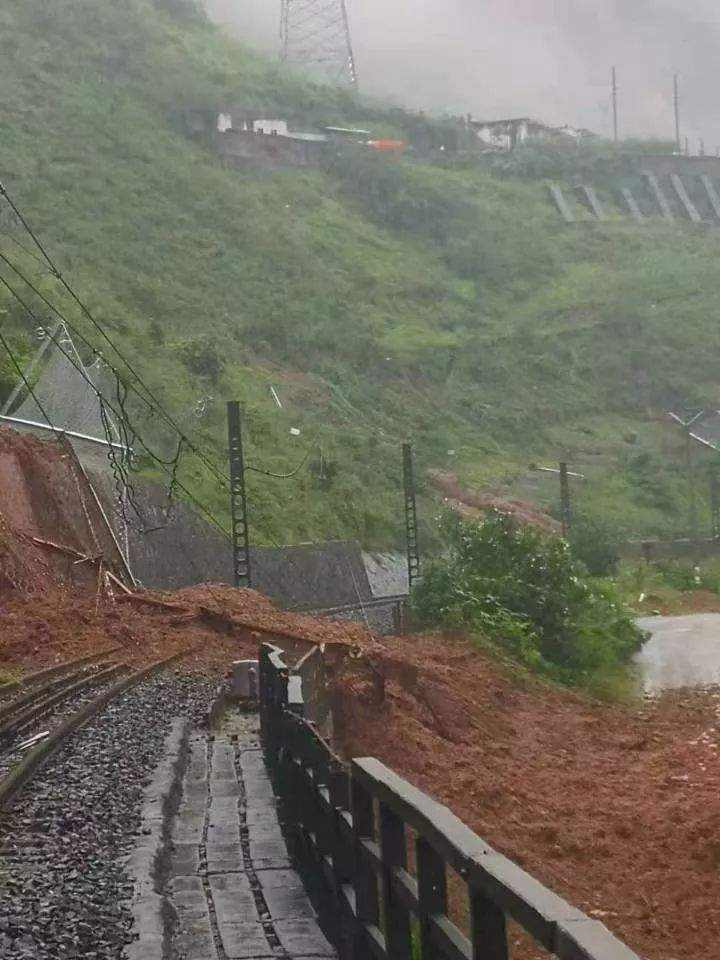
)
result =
(411, 525)
(565, 503)
(565, 513)
(238, 499)
(687, 426)
(615, 104)
(676, 102)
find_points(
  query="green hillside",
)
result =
(382, 300)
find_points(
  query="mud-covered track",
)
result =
(24, 771)
(48, 673)
(48, 697)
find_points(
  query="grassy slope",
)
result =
(383, 301)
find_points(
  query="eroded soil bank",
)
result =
(616, 809)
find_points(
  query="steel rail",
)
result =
(61, 675)
(54, 671)
(49, 699)
(23, 772)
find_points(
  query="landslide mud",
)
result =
(615, 809)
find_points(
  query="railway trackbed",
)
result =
(70, 809)
(57, 703)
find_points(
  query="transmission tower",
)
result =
(316, 33)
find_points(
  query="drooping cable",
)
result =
(163, 464)
(285, 476)
(26, 382)
(151, 399)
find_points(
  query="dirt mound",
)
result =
(615, 809)
(471, 502)
(224, 624)
(49, 518)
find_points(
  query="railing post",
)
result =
(342, 854)
(322, 820)
(343, 859)
(488, 930)
(393, 851)
(367, 900)
(432, 895)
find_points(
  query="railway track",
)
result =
(11, 688)
(18, 715)
(53, 689)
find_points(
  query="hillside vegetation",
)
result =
(383, 300)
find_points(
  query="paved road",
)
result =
(683, 652)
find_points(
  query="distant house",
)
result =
(275, 128)
(509, 134)
(239, 137)
(268, 142)
(271, 150)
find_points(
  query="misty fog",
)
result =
(549, 59)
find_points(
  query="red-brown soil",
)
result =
(617, 810)
(470, 502)
(54, 608)
(45, 499)
(224, 624)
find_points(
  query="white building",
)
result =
(508, 134)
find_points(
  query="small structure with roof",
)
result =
(509, 134)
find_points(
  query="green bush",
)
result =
(685, 575)
(201, 356)
(595, 544)
(523, 590)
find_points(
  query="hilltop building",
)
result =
(509, 134)
(272, 143)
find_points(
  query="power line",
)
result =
(155, 403)
(24, 379)
(120, 414)
(81, 336)
(22, 246)
(183, 439)
(293, 473)
(148, 397)
(615, 104)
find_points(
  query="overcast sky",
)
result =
(549, 59)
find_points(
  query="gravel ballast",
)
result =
(63, 888)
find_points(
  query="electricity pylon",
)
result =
(316, 33)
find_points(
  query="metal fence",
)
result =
(351, 821)
(383, 615)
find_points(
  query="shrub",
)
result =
(523, 590)
(595, 544)
(202, 357)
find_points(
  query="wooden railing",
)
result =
(352, 822)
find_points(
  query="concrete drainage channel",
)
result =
(212, 876)
(148, 865)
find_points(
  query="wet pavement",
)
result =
(683, 652)
(232, 885)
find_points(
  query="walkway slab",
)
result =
(302, 938)
(245, 941)
(232, 885)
